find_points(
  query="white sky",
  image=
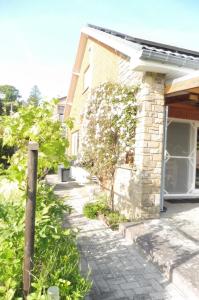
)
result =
(39, 39)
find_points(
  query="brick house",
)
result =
(166, 161)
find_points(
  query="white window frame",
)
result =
(75, 142)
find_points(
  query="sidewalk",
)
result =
(118, 270)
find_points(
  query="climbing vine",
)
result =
(109, 129)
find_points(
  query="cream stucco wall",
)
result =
(104, 66)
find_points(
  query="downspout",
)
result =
(163, 158)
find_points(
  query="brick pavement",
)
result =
(117, 269)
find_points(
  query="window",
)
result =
(61, 118)
(60, 113)
(75, 142)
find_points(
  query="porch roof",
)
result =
(183, 90)
(188, 84)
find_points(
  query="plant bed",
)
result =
(113, 219)
(100, 209)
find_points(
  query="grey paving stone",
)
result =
(118, 270)
(141, 297)
(130, 285)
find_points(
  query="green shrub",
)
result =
(100, 207)
(56, 259)
(92, 210)
(114, 218)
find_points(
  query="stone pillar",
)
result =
(146, 175)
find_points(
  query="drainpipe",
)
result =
(163, 159)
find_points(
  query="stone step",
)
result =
(175, 253)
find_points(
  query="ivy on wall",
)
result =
(109, 129)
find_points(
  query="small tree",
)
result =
(32, 123)
(35, 96)
(9, 97)
(9, 102)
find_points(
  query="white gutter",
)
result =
(138, 58)
(138, 64)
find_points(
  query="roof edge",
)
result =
(146, 42)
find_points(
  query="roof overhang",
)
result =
(75, 74)
(112, 41)
(171, 71)
(183, 90)
(184, 84)
(141, 60)
(104, 38)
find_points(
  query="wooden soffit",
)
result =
(187, 84)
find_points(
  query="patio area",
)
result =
(172, 243)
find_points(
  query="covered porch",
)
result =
(181, 139)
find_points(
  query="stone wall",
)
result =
(137, 190)
(139, 195)
(123, 192)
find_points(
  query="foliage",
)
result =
(114, 218)
(109, 128)
(35, 96)
(92, 210)
(56, 259)
(100, 207)
(56, 256)
(9, 96)
(9, 92)
(32, 123)
(5, 154)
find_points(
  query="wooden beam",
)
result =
(177, 99)
(195, 90)
(186, 98)
(193, 97)
(182, 85)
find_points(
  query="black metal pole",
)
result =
(30, 216)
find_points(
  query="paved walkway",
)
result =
(118, 270)
(172, 242)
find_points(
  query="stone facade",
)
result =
(139, 196)
(148, 146)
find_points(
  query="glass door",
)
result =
(197, 160)
(179, 163)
